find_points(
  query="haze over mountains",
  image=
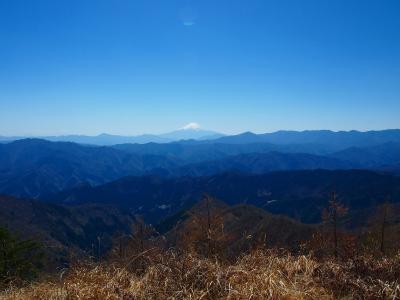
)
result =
(332, 139)
(190, 131)
(35, 167)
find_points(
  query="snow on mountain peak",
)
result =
(191, 126)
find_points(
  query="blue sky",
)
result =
(147, 66)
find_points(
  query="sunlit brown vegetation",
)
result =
(196, 260)
(257, 275)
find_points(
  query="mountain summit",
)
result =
(191, 131)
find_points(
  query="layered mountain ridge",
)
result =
(34, 168)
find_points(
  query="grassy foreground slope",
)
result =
(258, 275)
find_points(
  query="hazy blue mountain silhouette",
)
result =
(194, 151)
(262, 163)
(328, 140)
(379, 155)
(33, 167)
(334, 140)
(105, 139)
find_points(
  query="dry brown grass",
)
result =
(260, 275)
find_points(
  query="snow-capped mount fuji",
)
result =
(192, 131)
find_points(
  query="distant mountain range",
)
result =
(332, 140)
(322, 140)
(34, 168)
(259, 163)
(105, 139)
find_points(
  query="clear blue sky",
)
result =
(141, 66)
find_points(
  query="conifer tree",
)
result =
(19, 259)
